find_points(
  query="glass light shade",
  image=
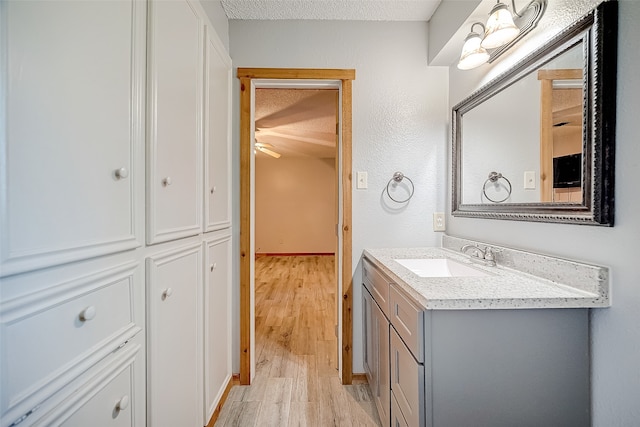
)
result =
(500, 28)
(473, 54)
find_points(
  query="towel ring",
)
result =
(398, 177)
(494, 177)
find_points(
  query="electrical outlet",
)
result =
(438, 221)
(361, 180)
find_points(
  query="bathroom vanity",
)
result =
(467, 344)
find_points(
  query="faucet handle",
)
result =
(489, 254)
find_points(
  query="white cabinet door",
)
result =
(174, 171)
(217, 188)
(72, 130)
(217, 320)
(174, 346)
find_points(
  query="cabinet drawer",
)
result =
(407, 382)
(397, 419)
(51, 337)
(377, 284)
(111, 396)
(408, 319)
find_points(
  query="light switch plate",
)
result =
(529, 180)
(361, 180)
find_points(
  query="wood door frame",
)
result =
(546, 78)
(246, 75)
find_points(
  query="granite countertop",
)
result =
(503, 288)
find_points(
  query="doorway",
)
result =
(250, 79)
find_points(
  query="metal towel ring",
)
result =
(398, 177)
(494, 177)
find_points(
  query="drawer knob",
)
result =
(123, 403)
(167, 181)
(167, 293)
(214, 266)
(121, 173)
(88, 313)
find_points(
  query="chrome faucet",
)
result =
(486, 256)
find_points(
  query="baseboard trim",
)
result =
(263, 254)
(359, 379)
(234, 380)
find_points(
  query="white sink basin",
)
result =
(440, 267)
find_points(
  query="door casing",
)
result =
(264, 77)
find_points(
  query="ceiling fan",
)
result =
(266, 149)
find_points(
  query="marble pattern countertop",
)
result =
(503, 288)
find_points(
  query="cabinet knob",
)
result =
(213, 189)
(121, 173)
(167, 181)
(123, 403)
(88, 313)
(214, 266)
(167, 293)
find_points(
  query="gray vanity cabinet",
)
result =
(376, 350)
(481, 368)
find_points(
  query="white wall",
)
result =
(615, 330)
(295, 205)
(399, 120)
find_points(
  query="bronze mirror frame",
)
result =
(598, 32)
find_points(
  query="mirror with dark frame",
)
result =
(537, 143)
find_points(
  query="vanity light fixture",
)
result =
(501, 32)
(473, 54)
(500, 28)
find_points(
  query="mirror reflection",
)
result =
(524, 144)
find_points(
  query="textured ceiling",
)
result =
(350, 10)
(297, 122)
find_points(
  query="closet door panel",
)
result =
(73, 130)
(174, 280)
(217, 326)
(217, 136)
(175, 121)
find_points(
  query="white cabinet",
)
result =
(217, 148)
(174, 150)
(174, 345)
(217, 320)
(109, 397)
(72, 167)
(56, 327)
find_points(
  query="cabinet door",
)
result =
(217, 323)
(174, 158)
(71, 163)
(174, 345)
(369, 338)
(407, 381)
(382, 395)
(217, 190)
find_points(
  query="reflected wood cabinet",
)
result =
(486, 368)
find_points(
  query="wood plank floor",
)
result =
(297, 381)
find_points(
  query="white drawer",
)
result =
(408, 319)
(53, 336)
(407, 382)
(110, 396)
(397, 419)
(377, 284)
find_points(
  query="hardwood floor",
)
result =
(297, 381)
